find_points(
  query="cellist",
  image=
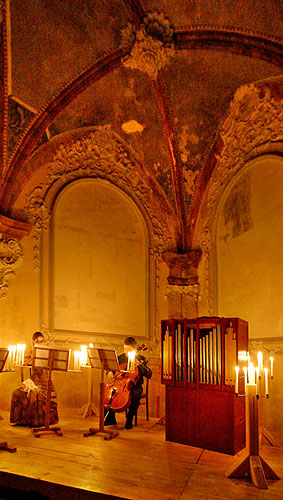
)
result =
(130, 344)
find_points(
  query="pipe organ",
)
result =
(199, 357)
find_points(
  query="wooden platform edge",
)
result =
(54, 491)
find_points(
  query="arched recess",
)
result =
(99, 261)
(248, 262)
(94, 155)
(252, 128)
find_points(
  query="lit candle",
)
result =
(259, 360)
(271, 367)
(23, 353)
(246, 378)
(77, 360)
(257, 381)
(237, 380)
(266, 382)
(131, 361)
(83, 355)
(9, 360)
(251, 372)
(14, 355)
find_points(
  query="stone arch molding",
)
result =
(100, 153)
(254, 126)
(11, 254)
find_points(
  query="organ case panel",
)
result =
(198, 361)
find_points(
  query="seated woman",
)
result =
(29, 399)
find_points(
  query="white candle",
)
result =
(14, 355)
(266, 381)
(131, 361)
(83, 355)
(76, 360)
(271, 366)
(257, 380)
(23, 353)
(251, 372)
(259, 360)
(237, 380)
(9, 360)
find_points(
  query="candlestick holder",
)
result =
(252, 464)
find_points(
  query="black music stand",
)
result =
(49, 359)
(105, 359)
(4, 353)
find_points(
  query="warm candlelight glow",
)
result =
(257, 380)
(83, 355)
(77, 359)
(271, 366)
(131, 361)
(237, 380)
(266, 381)
(243, 356)
(251, 373)
(246, 378)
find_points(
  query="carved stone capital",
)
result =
(10, 255)
(183, 268)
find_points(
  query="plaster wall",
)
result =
(249, 265)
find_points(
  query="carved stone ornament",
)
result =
(151, 47)
(183, 268)
(255, 119)
(10, 256)
(100, 154)
(257, 345)
(188, 290)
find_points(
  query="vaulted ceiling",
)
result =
(161, 73)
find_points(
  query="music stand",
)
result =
(89, 409)
(105, 359)
(50, 359)
(4, 353)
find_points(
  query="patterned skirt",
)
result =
(28, 407)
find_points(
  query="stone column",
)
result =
(182, 283)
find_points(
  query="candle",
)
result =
(23, 353)
(237, 380)
(266, 381)
(14, 355)
(251, 372)
(259, 360)
(77, 358)
(83, 355)
(257, 381)
(271, 367)
(9, 360)
(131, 361)
(246, 378)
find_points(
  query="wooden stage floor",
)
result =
(138, 464)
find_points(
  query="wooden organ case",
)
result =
(199, 357)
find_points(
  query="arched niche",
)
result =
(248, 262)
(99, 263)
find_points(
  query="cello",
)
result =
(117, 395)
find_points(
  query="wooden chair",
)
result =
(144, 401)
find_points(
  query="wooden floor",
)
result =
(138, 464)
